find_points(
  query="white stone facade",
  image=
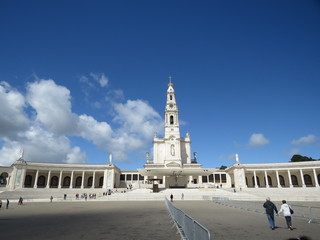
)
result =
(172, 165)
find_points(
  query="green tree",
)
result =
(223, 167)
(299, 158)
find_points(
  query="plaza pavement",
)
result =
(91, 220)
(227, 223)
(141, 220)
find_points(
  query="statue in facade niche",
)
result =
(172, 150)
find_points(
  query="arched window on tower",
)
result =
(171, 120)
(170, 97)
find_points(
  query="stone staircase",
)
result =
(249, 194)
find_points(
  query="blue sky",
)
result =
(83, 79)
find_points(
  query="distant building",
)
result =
(172, 166)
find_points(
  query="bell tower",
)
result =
(172, 150)
(171, 114)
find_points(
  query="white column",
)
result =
(190, 179)
(60, 179)
(302, 178)
(82, 180)
(164, 181)
(105, 179)
(36, 179)
(290, 181)
(71, 180)
(278, 179)
(255, 179)
(23, 177)
(200, 179)
(315, 178)
(94, 176)
(48, 179)
(266, 179)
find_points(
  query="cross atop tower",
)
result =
(170, 83)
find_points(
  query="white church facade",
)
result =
(171, 166)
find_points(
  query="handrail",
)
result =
(189, 228)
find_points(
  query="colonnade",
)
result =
(40, 178)
(303, 177)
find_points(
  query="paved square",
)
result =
(227, 223)
(87, 220)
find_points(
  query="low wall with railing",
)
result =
(189, 228)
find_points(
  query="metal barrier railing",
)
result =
(189, 228)
(312, 214)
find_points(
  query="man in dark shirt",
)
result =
(270, 209)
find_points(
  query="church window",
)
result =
(66, 181)
(135, 177)
(308, 180)
(141, 177)
(78, 182)
(211, 178)
(90, 181)
(281, 179)
(122, 177)
(170, 97)
(223, 178)
(294, 180)
(171, 120)
(41, 181)
(204, 179)
(54, 182)
(101, 182)
(217, 178)
(28, 181)
(128, 177)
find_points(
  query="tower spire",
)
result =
(170, 83)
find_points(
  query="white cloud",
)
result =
(45, 137)
(12, 116)
(40, 146)
(257, 140)
(138, 117)
(76, 156)
(98, 132)
(52, 105)
(100, 78)
(306, 140)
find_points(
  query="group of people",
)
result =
(7, 205)
(271, 209)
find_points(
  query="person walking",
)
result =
(0, 203)
(7, 206)
(286, 209)
(51, 198)
(270, 209)
(171, 197)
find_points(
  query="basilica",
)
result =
(172, 166)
